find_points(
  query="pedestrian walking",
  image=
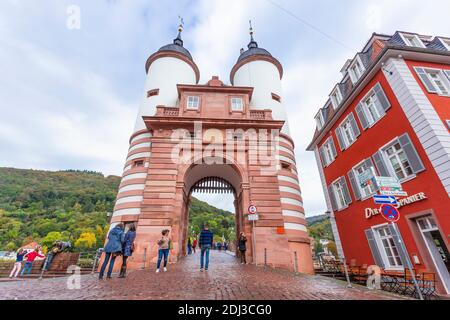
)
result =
(18, 264)
(113, 249)
(30, 256)
(205, 243)
(164, 246)
(128, 248)
(242, 245)
(189, 245)
(194, 244)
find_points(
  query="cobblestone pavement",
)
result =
(226, 279)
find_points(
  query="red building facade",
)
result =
(390, 114)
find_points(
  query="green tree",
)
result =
(11, 246)
(51, 237)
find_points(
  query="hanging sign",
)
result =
(252, 217)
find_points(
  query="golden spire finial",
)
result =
(180, 27)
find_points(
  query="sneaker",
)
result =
(206, 269)
(165, 269)
(201, 269)
(157, 270)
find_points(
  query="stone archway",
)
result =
(215, 173)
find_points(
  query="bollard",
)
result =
(295, 262)
(349, 284)
(145, 257)
(95, 262)
(44, 266)
(265, 257)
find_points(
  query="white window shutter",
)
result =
(382, 98)
(362, 116)
(333, 147)
(322, 157)
(354, 125)
(340, 139)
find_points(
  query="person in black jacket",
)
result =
(205, 242)
(242, 247)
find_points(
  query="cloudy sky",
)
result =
(69, 97)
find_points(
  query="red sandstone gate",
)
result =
(186, 132)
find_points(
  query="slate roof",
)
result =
(253, 49)
(177, 46)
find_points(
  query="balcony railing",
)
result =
(164, 111)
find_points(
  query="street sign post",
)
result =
(385, 199)
(252, 212)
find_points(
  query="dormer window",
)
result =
(412, 40)
(356, 69)
(336, 97)
(319, 120)
(193, 102)
(237, 104)
(445, 43)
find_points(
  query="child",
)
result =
(18, 264)
(31, 256)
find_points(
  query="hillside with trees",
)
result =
(44, 206)
(319, 227)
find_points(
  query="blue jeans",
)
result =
(49, 260)
(108, 255)
(189, 249)
(27, 266)
(161, 253)
(205, 249)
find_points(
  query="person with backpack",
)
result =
(113, 249)
(128, 248)
(18, 264)
(164, 246)
(31, 256)
(242, 245)
(205, 243)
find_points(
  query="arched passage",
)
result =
(214, 178)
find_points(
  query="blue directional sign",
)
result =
(385, 199)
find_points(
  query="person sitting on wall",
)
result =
(58, 247)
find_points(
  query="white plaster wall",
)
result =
(164, 74)
(264, 77)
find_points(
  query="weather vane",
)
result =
(180, 27)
